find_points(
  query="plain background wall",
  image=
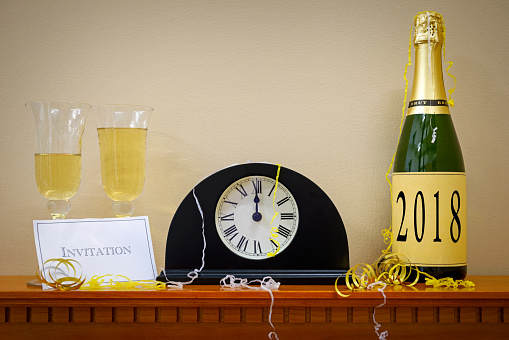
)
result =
(316, 86)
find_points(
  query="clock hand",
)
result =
(257, 216)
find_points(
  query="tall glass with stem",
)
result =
(59, 127)
(122, 132)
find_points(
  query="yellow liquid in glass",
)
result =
(57, 175)
(122, 162)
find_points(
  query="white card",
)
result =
(116, 246)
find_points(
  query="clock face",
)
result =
(256, 219)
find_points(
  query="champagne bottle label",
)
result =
(429, 106)
(429, 218)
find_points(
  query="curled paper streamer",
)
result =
(62, 274)
(274, 230)
(192, 275)
(451, 91)
(385, 334)
(450, 63)
(386, 233)
(391, 269)
(267, 283)
(449, 282)
(97, 282)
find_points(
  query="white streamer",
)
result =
(267, 283)
(385, 334)
(194, 273)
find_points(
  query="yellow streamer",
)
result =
(274, 230)
(387, 233)
(449, 282)
(392, 269)
(63, 275)
(99, 283)
(450, 63)
(60, 278)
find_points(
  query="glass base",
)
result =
(59, 208)
(123, 209)
(34, 283)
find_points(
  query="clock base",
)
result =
(285, 277)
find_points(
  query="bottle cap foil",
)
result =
(429, 27)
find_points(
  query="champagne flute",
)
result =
(122, 132)
(59, 127)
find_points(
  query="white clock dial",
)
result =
(253, 223)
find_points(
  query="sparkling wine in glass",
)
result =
(122, 132)
(59, 127)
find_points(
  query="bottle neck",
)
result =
(428, 92)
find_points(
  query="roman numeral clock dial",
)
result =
(254, 219)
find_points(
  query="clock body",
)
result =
(304, 243)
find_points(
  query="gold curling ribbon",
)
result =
(387, 233)
(450, 63)
(449, 282)
(389, 268)
(393, 268)
(67, 279)
(58, 277)
(97, 282)
(274, 230)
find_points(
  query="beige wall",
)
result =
(316, 86)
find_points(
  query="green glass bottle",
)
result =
(428, 182)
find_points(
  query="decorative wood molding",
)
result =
(441, 315)
(299, 311)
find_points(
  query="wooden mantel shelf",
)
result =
(299, 312)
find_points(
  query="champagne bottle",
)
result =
(428, 181)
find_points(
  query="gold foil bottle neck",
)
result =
(429, 26)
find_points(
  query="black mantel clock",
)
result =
(304, 243)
